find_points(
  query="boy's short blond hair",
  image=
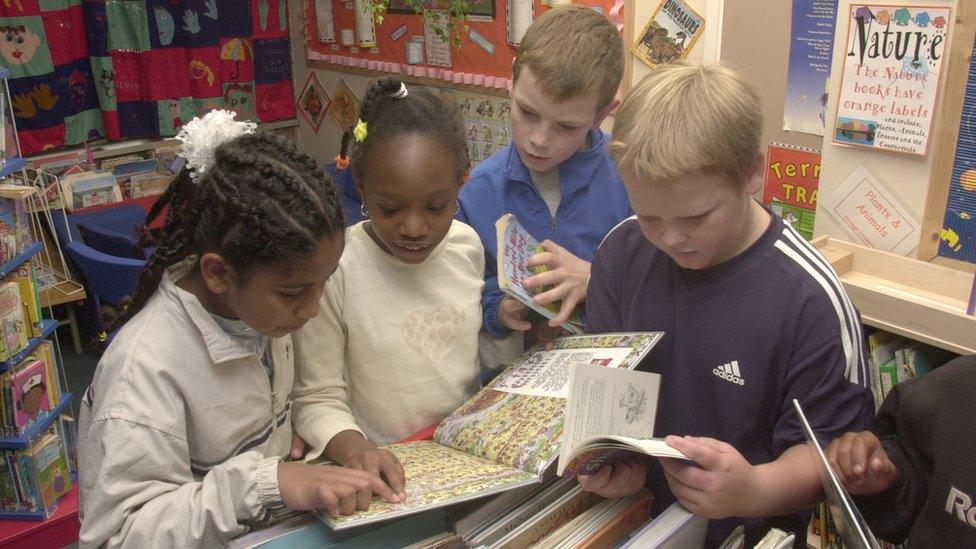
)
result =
(684, 120)
(572, 50)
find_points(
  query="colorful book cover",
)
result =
(8, 230)
(8, 493)
(26, 279)
(30, 394)
(669, 34)
(13, 328)
(792, 181)
(53, 476)
(515, 246)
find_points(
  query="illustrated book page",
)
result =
(609, 413)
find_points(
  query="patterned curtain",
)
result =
(85, 69)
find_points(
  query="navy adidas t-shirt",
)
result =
(741, 341)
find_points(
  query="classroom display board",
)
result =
(958, 234)
(402, 44)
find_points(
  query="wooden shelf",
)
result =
(906, 296)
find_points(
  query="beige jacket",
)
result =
(181, 431)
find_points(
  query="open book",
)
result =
(506, 435)
(609, 415)
(851, 526)
(515, 246)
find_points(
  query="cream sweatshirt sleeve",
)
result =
(320, 408)
(142, 493)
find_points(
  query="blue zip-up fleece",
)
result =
(593, 201)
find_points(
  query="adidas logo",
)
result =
(730, 372)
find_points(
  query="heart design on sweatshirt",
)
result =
(431, 331)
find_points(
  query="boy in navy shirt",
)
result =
(753, 315)
(556, 176)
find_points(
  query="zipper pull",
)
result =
(274, 407)
(552, 222)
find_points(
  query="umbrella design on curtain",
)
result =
(236, 50)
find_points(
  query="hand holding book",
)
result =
(561, 278)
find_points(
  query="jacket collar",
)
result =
(575, 173)
(221, 347)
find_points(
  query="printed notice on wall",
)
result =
(891, 76)
(872, 215)
(438, 49)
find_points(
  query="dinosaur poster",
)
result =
(670, 33)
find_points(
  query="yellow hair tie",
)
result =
(359, 132)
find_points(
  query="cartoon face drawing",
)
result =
(165, 25)
(30, 402)
(174, 113)
(240, 99)
(18, 44)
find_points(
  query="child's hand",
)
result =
(351, 449)
(338, 490)
(298, 447)
(717, 485)
(567, 274)
(382, 462)
(511, 314)
(861, 463)
(622, 479)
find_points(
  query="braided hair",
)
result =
(262, 202)
(387, 117)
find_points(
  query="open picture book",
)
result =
(506, 435)
(515, 247)
(609, 415)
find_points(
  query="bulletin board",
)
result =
(483, 60)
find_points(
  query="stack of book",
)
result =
(33, 479)
(20, 310)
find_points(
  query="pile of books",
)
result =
(33, 479)
(117, 179)
(31, 390)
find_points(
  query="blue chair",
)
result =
(122, 219)
(107, 279)
(111, 242)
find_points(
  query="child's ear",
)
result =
(216, 273)
(755, 178)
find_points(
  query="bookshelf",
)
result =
(32, 376)
(922, 301)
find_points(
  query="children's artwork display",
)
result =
(892, 68)
(670, 33)
(344, 107)
(811, 54)
(792, 180)
(313, 102)
(404, 45)
(958, 233)
(486, 118)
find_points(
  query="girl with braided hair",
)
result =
(395, 347)
(183, 430)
